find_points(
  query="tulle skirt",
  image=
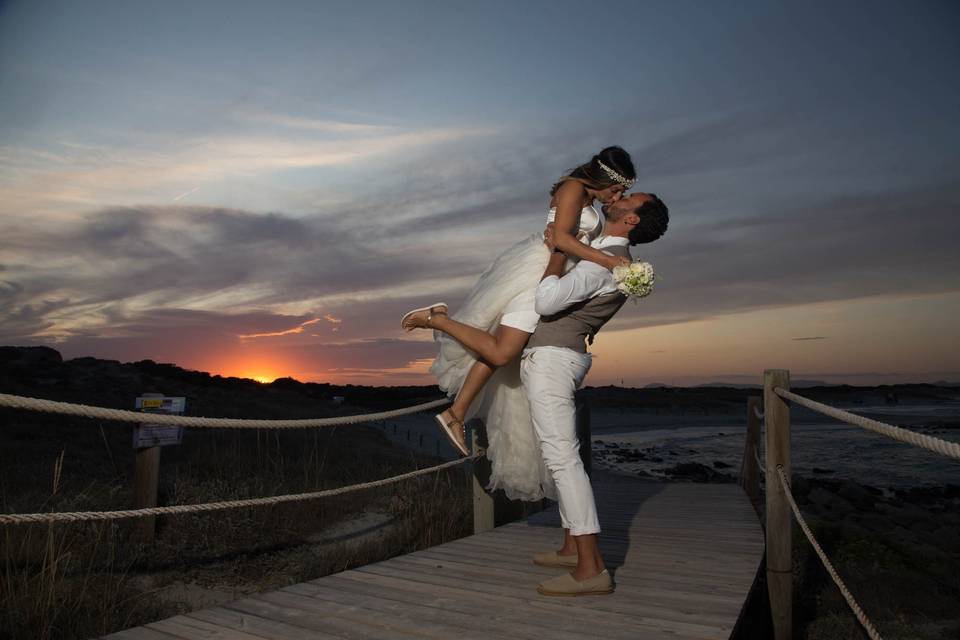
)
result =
(513, 448)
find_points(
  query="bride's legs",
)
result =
(476, 378)
(497, 349)
(494, 351)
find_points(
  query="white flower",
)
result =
(635, 279)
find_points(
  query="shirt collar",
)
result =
(609, 241)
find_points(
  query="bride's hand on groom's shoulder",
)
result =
(549, 238)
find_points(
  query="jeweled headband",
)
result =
(616, 177)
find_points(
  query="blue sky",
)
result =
(178, 177)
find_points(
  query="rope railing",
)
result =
(760, 465)
(777, 418)
(122, 415)
(937, 445)
(85, 516)
(861, 616)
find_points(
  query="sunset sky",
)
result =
(263, 188)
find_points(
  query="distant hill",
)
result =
(42, 372)
(796, 384)
(944, 383)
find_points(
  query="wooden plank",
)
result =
(342, 626)
(191, 629)
(650, 614)
(703, 571)
(517, 547)
(388, 626)
(478, 622)
(138, 633)
(627, 576)
(626, 606)
(681, 597)
(258, 626)
(402, 614)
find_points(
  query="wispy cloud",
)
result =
(310, 124)
(812, 338)
(275, 334)
(154, 168)
(185, 194)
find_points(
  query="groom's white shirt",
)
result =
(586, 280)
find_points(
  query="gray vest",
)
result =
(570, 327)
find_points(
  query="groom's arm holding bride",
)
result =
(557, 291)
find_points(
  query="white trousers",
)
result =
(550, 377)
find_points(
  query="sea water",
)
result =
(819, 446)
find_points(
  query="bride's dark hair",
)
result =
(593, 176)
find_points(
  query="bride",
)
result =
(479, 344)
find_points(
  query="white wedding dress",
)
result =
(513, 448)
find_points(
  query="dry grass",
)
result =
(79, 580)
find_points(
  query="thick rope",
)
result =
(82, 516)
(937, 445)
(861, 616)
(760, 464)
(103, 413)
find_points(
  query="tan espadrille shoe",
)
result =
(554, 559)
(567, 585)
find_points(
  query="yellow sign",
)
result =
(151, 403)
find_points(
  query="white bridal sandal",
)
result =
(430, 314)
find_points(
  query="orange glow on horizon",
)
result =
(260, 365)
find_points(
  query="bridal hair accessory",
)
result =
(635, 280)
(616, 177)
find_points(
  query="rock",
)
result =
(856, 495)
(720, 464)
(909, 515)
(819, 470)
(695, 472)
(874, 522)
(829, 501)
(800, 486)
(946, 538)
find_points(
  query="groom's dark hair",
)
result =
(654, 217)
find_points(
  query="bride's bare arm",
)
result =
(570, 198)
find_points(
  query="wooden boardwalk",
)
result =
(684, 557)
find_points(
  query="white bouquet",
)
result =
(635, 279)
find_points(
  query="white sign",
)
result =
(158, 435)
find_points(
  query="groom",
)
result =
(573, 307)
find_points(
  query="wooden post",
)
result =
(583, 434)
(483, 507)
(749, 471)
(779, 516)
(146, 479)
(489, 509)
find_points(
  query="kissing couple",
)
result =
(516, 352)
